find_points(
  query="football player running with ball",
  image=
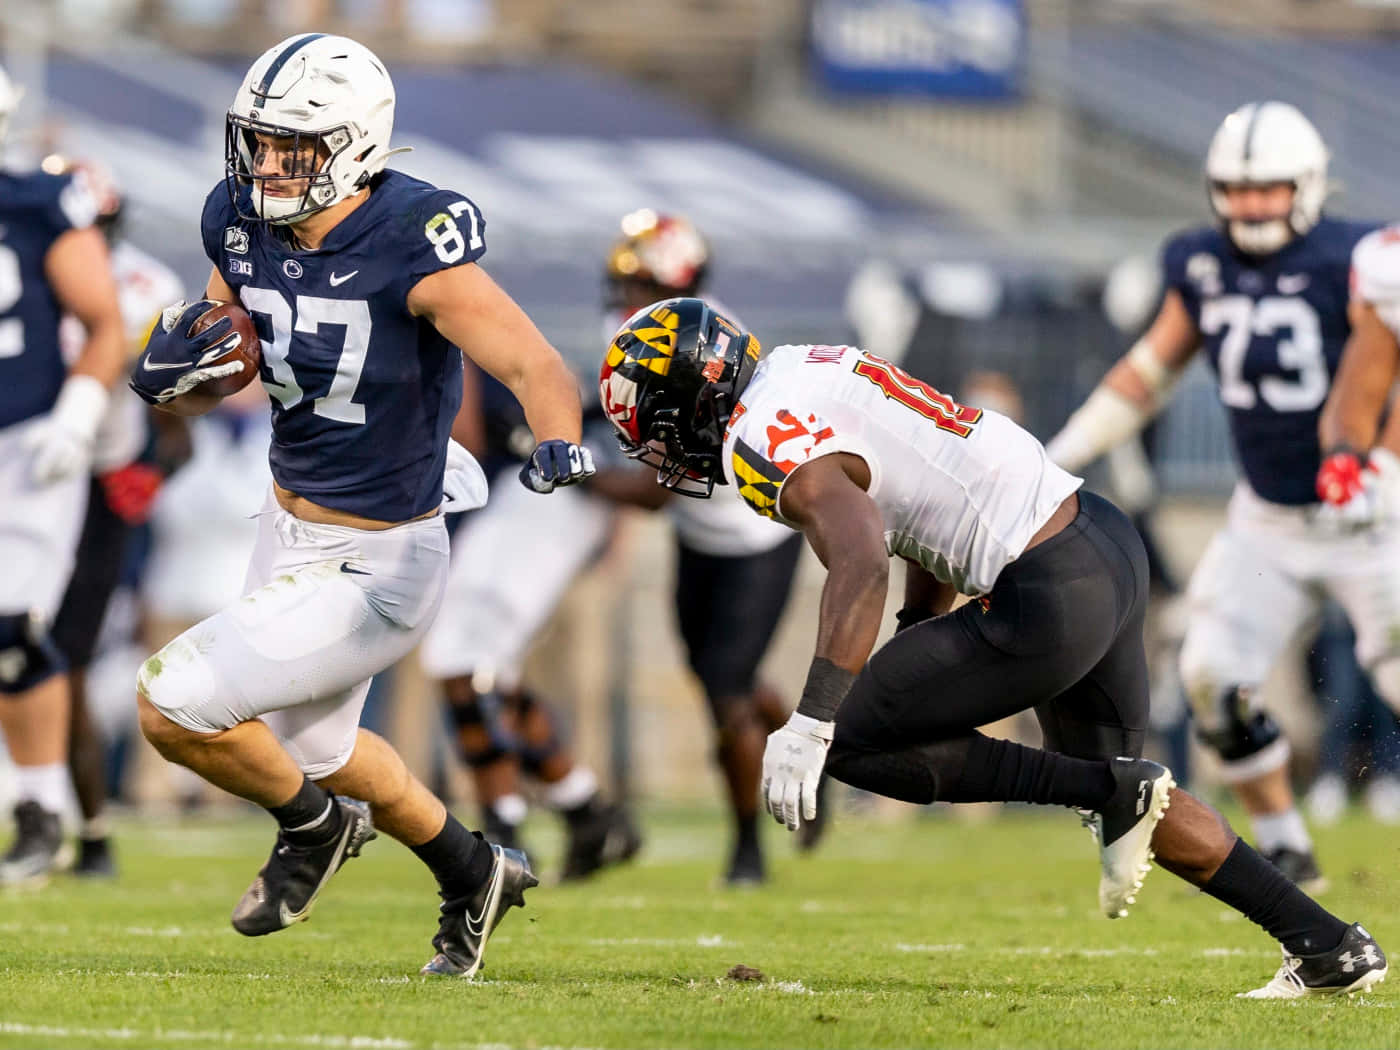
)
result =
(1264, 293)
(363, 285)
(869, 463)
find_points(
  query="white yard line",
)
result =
(173, 1035)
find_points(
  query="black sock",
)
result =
(311, 816)
(583, 812)
(1251, 885)
(1000, 771)
(459, 859)
(746, 830)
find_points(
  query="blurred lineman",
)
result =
(512, 562)
(869, 463)
(135, 450)
(721, 550)
(363, 283)
(53, 260)
(1265, 293)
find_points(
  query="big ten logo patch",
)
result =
(791, 440)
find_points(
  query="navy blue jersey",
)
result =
(363, 393)
(1273, 328)
(35, 210)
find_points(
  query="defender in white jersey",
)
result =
(868, 463)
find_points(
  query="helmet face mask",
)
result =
(322, 108)
(1264, 144)
(309, 181)
(670, 380)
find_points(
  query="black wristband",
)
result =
(827, 685)
(908, 617)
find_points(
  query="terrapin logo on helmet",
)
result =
(670, 379)
(1264, 143)
(658, 255)
(329, 103)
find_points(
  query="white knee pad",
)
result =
(179, 682)
(1385, 676)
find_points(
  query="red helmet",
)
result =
(657, 255)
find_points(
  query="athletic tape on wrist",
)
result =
(827, 685)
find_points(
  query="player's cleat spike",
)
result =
(294, 875)
(36, 851)
(1353, 966)
(1300, 868)
(1124, 829)
(608, 836)
(465, 924)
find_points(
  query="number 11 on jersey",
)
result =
(898, 385)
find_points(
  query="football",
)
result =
(248, 352)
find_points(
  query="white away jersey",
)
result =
(961, 490)
(1375, 274)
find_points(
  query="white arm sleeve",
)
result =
(1104, 420)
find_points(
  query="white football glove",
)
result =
(60, 444)
(792, 769)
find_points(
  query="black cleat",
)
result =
(1124, 828)
(1353, 966)
(608, 835)
(95, 859)
(466, 923)
(294, 875)
(746, 868)
(1300, 868)
(37, 848)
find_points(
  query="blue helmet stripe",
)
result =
(265, 87)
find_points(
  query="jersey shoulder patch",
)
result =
(1191, 261)
(53, 204)
(437, 229)
(1375, 267)
(226, 236)
(769, 444)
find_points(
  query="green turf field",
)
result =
(934, 933)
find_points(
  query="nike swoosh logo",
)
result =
(286, 914)
(151, 366)
(476, 925)
(345, 567)
(337, 280)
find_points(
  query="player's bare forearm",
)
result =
(925, 592)
(1362, 386)
(845, 530)
(546, 389)
(79, 270)
(630, 486)
(470, 310)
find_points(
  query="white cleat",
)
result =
(1124, 829)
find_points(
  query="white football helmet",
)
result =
(10, 94)
(1264, 142)
(332, 97)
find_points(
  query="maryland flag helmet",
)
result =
(657, 253)
(671, 377)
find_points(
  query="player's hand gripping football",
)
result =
(555, 463)
(175, 362)
(792, 769)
